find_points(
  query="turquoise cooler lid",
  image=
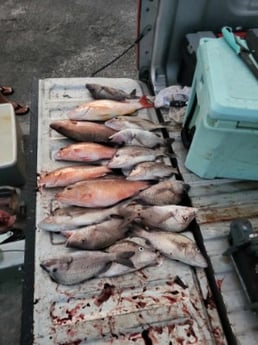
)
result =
(232, 88)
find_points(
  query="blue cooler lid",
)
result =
(232, 88)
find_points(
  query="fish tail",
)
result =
(138, 231)
(169, 140)
(164, 152)
(124, 258)
(186, 187)
(145, 102)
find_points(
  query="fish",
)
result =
(144, 256)
(76, 267)
(150, 171)
(128, 156)
(97, 236)
(83, 130)
(65, 176)
(67, 218)
(174, 246)
(173, 218)
(85, 152)
(119, 123)
(141, 137)
(102, 110)
(98, 91)
(165, 192)
(100, 192)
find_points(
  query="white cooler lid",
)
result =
(8, 140)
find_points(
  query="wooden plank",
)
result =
(227, 199)
(227, 213)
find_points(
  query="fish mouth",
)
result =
(42, 265)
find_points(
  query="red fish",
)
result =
(100, 192)
(102, 110)
(85, 152)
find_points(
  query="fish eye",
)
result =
(54, 270)
(141, 249)
(117, 155)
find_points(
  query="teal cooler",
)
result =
(222, 115)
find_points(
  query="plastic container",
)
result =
(223, 115)
(12, 162)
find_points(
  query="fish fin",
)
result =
(105, 268)
(124, 259)
(133, 93)
(145, 102)
(186, 187)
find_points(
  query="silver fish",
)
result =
(143, 257)
(173, 218)
(127, 157)
(97, 236)
(76, 267)
(68, 218)
(98, 91)
(119, 123)
(151, 171)
(167, 192)
(174, 246)
(134, 136)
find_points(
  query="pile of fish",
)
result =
(120, 207)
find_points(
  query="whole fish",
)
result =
(134, 136)
(127, 157)
(150, 171)
(98, 91)
(85, 152)
(100, 192)
(166, 192)
(119, 123)
(143, 257)
(102, 110)
(76, 267)
(72, 217)
(68, 175)
(97, 236)
(174, 246)
(83, 131)
(172, 218)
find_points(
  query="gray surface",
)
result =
(42, 39)
(48, 39)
